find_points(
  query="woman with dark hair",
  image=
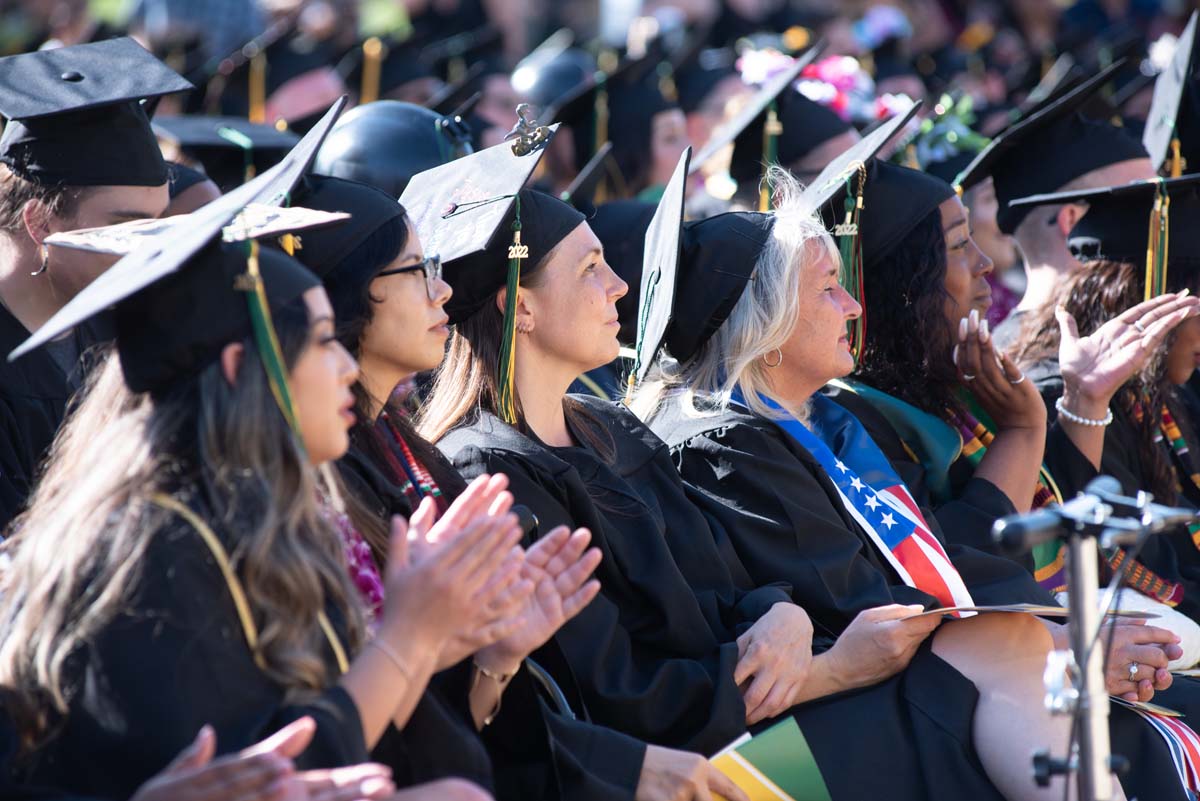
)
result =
(1143, 449)
(389, 298)
(201, 581)
(956, 417)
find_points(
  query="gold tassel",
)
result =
(258, 88)
(368, 91)
(1176, 158)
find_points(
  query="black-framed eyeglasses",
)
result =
(431, 266)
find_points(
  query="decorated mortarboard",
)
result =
(660, 265)
(368, 208)
(756, 129)
(231, 149)
(487, 229)
(355, 150)
(1132, 223)
(868, 221)
(1174, 101)
(184, 294)
(74, 116)
(1049, 149)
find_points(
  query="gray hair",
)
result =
(761, 321)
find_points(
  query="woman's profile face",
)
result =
(408, 329)
(1183, 355)
(967, 266)
(320, 382)
(573, 308)
(818, 349)
(668, 140)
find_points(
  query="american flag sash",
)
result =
(1182, 742)
(875, 496)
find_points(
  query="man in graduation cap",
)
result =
(1053, 149)
(77, 152)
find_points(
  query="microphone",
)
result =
(1021, 533)
(526, 519)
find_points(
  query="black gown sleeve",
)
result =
(175, 659)
(628, 681)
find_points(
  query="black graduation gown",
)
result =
(654, 654)
(787, 522)
(1171, 555)
(536, 752)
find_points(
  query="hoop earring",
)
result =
(778, 361)
(45, 260)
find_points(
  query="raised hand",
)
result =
(1096, 366)
(998, 384)
(774, 657)
(464, 572)
(558, 565)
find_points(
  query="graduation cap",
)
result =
(231, 149)
(862, 202)
(181, 178)
(184, 294)
(660, 264)
(475, 214)
(74, 116)
(756, 130)
(1115, 228)
(454, 94)
(553, 71)
(387, 142)
(1172, 107)
(1049, 149)
(369, 209)
(380, 66)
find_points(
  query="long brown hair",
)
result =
(466, 382)
(77, 551)
(1095, 295)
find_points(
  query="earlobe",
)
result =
(36, 219)
(231, 361)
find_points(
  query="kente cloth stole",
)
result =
(1170, 434)
(1049, 558)
(873, 494)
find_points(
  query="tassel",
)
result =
(772, 130)
(1176, 159)
(850, 249)
(643, 319)
(266, 340)
(1157, 244)
(258, 88)
(506, 372)
(368, 90)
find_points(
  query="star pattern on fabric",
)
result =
(873, 503)
(857, 484)
(888, 520)
(840, 465)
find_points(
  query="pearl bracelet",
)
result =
(1071, 417)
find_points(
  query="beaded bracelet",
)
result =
(1071, 417)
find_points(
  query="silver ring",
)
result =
(1138, 325)
(1020, 380)
(1133, 671)
(968, 377)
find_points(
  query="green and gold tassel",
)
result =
(772, 130)
(1158, 243)
(265, 338)
(850, 248)
(506, 370)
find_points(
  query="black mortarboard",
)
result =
(581, 193)
(717, 259)
(74, 116)
(227, 147)
(464, 211)
(660, 265)
(1173, 102)
(386, 64)
(806, 125)
(178, 298)
(1049, 149)
(697, 79)
(181, 178)
(552, 71)
(1116, 228)
(369, 209)
(753, 115)
(621, 228)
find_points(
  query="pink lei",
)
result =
(363, 571)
